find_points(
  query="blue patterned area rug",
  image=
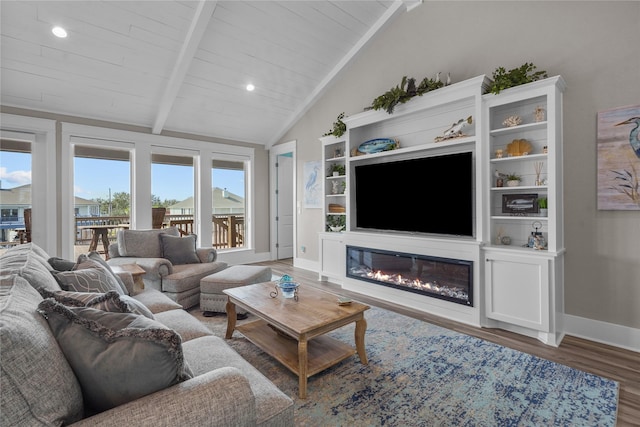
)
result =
(420, 374)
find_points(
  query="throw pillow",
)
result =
(96, 257)
(110, 301)
(84, 261)
(87, 280)
(89, 275)
(180, 250)
(117, 357)
(60, 264)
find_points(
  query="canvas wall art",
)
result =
(312, 184)
(619, 158)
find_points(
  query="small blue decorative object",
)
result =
(378, 145)
(288, 286)
(289, 289)
(286, 278)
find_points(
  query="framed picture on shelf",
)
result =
(519, 204)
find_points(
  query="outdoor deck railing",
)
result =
(228, 230)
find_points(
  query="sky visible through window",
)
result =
(94, 177)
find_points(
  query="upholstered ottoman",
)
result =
(212, 300)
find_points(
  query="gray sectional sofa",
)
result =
(51, 375)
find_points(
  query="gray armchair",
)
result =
(172, 265)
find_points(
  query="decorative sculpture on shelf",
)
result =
(512, 121)
(519, 147)
(455, 131)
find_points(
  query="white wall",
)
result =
(593, 45)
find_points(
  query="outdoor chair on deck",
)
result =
(157, 217)
(25, 236)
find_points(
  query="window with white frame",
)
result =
(190, 164)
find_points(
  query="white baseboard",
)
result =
(581, 327)
(243, 256)
(602, 332)
(306, 264)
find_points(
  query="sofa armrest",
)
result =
(221, 397)
(207, 254)
(155, 268)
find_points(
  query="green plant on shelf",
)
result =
(336, 221)
(542, 203)
(336, 167)
(513, 177)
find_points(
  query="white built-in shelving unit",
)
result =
(515, 287)
(524, 284)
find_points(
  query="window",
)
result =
(15, 191)
(172, 187)
(102, 196)
(168, 172)
(228, 179)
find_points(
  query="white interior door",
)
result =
(283, 185)
(284, 218)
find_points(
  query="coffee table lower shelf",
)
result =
(322, 351)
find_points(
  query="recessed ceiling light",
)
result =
(59, 32)
(250, 87)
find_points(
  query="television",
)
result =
(431, 195)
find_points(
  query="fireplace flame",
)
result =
(418, 284)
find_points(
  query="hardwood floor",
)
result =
(599, 359)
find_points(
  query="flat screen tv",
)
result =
(433, 195)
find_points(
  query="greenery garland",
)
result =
(403, 92)
(526, 73)
(407, 89)
(339, 127)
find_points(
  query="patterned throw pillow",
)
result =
(93, 260)
(110, 301)
(179, 250)
(117, 357)
(87, 280)
(88, 275)
(95, 256)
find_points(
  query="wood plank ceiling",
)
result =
(183, 65)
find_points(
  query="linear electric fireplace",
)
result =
(444, 278)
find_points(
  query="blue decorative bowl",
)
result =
(288, 289)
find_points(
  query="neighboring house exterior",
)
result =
(13, 202)
(224, 203)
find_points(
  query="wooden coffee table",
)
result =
(293, 331)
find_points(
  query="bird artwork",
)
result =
(455, 131)
(634, 135)
(312, 179)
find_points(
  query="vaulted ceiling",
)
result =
(183, 65)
